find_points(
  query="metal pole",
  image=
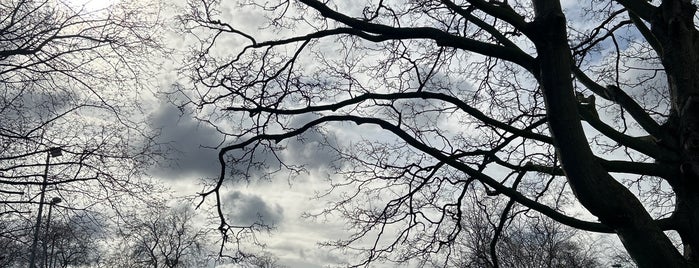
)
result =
(52, 261)
(46, 233)
(49, 257)
(37, 226)
(55, 151)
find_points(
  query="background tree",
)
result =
(72, 240)
(65, 69)
(164, 237)
(14, 253)
(526, 100)
(535, 242)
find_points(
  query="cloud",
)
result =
(311, 148)
(246, 209)
(186, 142)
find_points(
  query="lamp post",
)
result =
(54, 201)
(52, 152)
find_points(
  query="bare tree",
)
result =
(69, 129)
(13, 251)
(71, 240)
(166, 237)
(595, 104)
(62, 69)
(536, 242)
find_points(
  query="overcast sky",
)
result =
(276, 202)
(279, 201)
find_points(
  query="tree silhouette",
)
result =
(536, 242)
(63, 72)
(71, 241)
(524, 100)
(163, 237)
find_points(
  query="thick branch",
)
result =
(643, 146)
(499, 36)
(647, 34)
(395, 96)
(598, 191)
(641, 8)
(440, 37)
(617, 95)
(502, 11)
(570, 221)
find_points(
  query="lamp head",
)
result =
(56, 200)
(55, 151)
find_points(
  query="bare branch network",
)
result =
(423, 110)
(64, 71)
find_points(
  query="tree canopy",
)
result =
(67, 131)
(417, 106)
(62, 69)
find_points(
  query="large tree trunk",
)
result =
(673, 25)
(598, 191)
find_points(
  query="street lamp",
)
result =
(54, 201)
(55, 151)
(52, 152)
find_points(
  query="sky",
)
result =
(280, 201)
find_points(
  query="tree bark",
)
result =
(673, 25)
(598, 191)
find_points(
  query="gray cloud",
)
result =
(312, 148)
(184, 142)
(246, 209)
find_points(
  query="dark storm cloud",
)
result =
(184, 142)
(246, 209)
